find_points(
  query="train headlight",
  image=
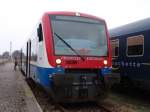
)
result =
(58, 61)
(105, 62)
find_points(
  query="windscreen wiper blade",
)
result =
(59, 37)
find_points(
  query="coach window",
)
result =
(115, 47)
(33, 50)
(135, 45)
(40, 33)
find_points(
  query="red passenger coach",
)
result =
(69, 55)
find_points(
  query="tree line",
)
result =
(7, 54)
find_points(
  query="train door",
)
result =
(29, 59)
(26, 71)
(40, 42)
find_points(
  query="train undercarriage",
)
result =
(79, 86)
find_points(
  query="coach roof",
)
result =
(137, 26)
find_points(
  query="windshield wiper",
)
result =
(59, 37)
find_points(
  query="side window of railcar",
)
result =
(33, 50)
(115, 47)
(40, 33)
(135, 45)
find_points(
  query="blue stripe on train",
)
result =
(106, 71)
(42, 74)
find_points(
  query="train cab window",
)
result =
(115, 47)
(135, 45)
(40, 33)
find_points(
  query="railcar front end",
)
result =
(79, 52)
(73, 60)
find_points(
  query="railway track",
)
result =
(48, 105)
(85, 107)
(105, 109)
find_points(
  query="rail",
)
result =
(47, 104)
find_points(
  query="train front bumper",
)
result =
(77, 88)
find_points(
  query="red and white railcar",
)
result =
(69, 54)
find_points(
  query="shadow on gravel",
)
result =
(132, 92)
(80, 105)
(48, 105)
(37, 89)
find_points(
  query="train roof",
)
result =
(73, 13)
(134, 27)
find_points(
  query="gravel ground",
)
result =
(129, 100)
(15, 94)
(48, 105)
(12, 98)
(116, 102)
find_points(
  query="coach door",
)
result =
(26, 73)
(28, 58)
(40, 42)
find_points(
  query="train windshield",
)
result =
(86, 36)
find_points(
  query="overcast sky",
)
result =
(18, 17)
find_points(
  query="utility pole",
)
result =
(10, 51)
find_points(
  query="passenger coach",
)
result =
(69, 55)
(131, 52)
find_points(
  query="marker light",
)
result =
(58, 61)
(77, 14)
(105, 62)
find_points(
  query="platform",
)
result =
(15, 94)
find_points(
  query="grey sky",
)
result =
(18, 17)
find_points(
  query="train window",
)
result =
(40, 33)
(135, 45)
(33, 50)
(86, 36)
(115, 47)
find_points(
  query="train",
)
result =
(69, 55)
(130, 45)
